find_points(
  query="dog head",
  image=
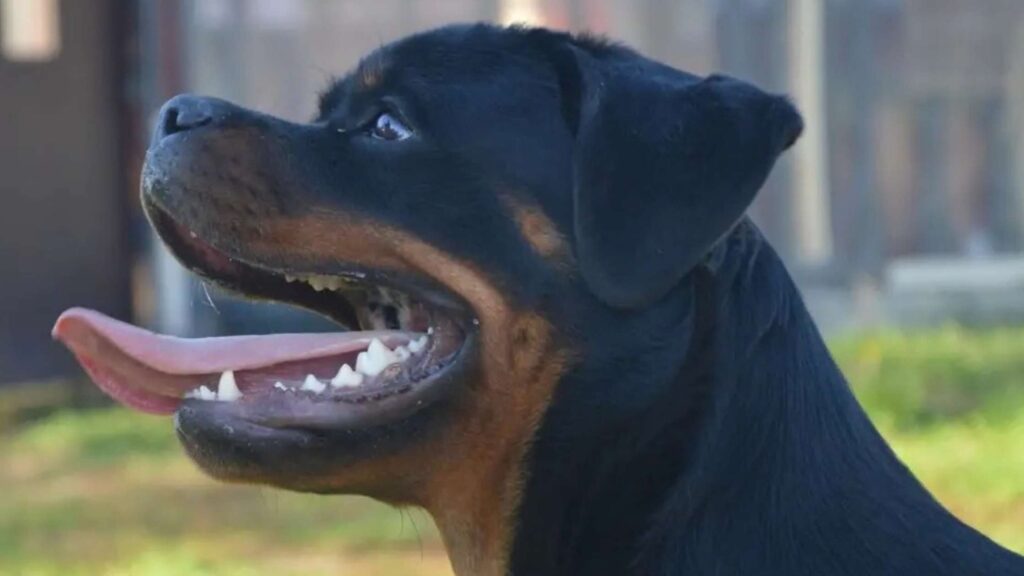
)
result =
(526, 197)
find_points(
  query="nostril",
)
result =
(169, 125)
(184, 113)
(182, 119)
(193, 116)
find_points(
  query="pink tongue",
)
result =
(150, 372)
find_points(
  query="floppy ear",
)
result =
(665, 164)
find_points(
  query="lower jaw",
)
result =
(372, 408)
(323, 455)
(303, 459)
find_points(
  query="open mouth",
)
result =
(408, 351)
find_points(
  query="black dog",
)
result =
(595, 364)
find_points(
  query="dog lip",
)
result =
(223, 268)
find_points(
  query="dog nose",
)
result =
(187, 112)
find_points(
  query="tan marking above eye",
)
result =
(370, 73)
(537, 229)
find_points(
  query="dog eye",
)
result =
(387, 127)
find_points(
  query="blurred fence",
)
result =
(920, 96)
(914, 108)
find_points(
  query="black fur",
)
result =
(709, 432)
(751, 458)
(703, 429)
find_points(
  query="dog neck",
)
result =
(474, 521)
(752, 457)
(475, 536)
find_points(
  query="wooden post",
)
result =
(811, 186)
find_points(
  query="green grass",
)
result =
(977, 470)
(910, 380)
(108, 492)
(951, 402)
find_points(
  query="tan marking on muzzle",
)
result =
(468, 475)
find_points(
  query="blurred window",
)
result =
(29, 30)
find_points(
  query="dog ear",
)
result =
(665, 164)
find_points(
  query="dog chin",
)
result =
(336, 462)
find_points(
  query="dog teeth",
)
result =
(375, 359)
(402, 353)
(377, 356)
(202, 393)
(346, 378)
(380, 355)
(227, 389)
(417, 345)
(318, 282)
(361, 361)
(313, 385)
(371, 362)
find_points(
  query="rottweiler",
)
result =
(571, 345)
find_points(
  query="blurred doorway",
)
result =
(62, 223)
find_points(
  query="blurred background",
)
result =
(900, 212)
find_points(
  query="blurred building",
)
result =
(904, 202)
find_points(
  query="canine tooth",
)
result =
(227, 389)
(347, 378)
(313, 385)
(280, 386)
(376, 347)
(376, 358)
(379, 350)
